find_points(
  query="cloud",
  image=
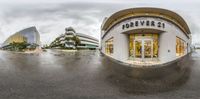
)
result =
(52, 17)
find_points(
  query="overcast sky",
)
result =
(51, 17)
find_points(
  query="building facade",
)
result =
(72, 40)
(197, 45)
(87, 42)
(28, 35)
(145, 35)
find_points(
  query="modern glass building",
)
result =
(72, 40)
(29, 35)
(145, 36)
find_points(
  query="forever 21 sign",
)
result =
(143, 23)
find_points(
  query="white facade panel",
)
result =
(167, 38)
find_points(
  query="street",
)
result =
(90, 75)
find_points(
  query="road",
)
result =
(89, 75)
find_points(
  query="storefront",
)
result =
(145, 35)
(143, 46)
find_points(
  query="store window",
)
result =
(180, 47)
(155, 45)
(109, 46)
(131, 45)
(148, 42)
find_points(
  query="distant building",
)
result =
(28, 35)
(197, 45)
(17, 38)
(73, 40)
(87, 42)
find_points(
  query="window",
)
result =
(180, 47)
(109, 46)
(135, 42)
(155, 45)
(131, 45)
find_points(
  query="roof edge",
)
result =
(159, 11)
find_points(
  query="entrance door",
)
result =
(143, 49)
(147, 48)
(138, 48)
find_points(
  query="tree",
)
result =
(77, 41)
(18, 46)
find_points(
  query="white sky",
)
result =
(52, 16)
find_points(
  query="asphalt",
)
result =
(90, 75)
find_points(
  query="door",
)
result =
(138, 49)
(143, 49)
(147, 48)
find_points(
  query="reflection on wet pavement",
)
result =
(88, 74)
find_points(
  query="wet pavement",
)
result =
(90, 75)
